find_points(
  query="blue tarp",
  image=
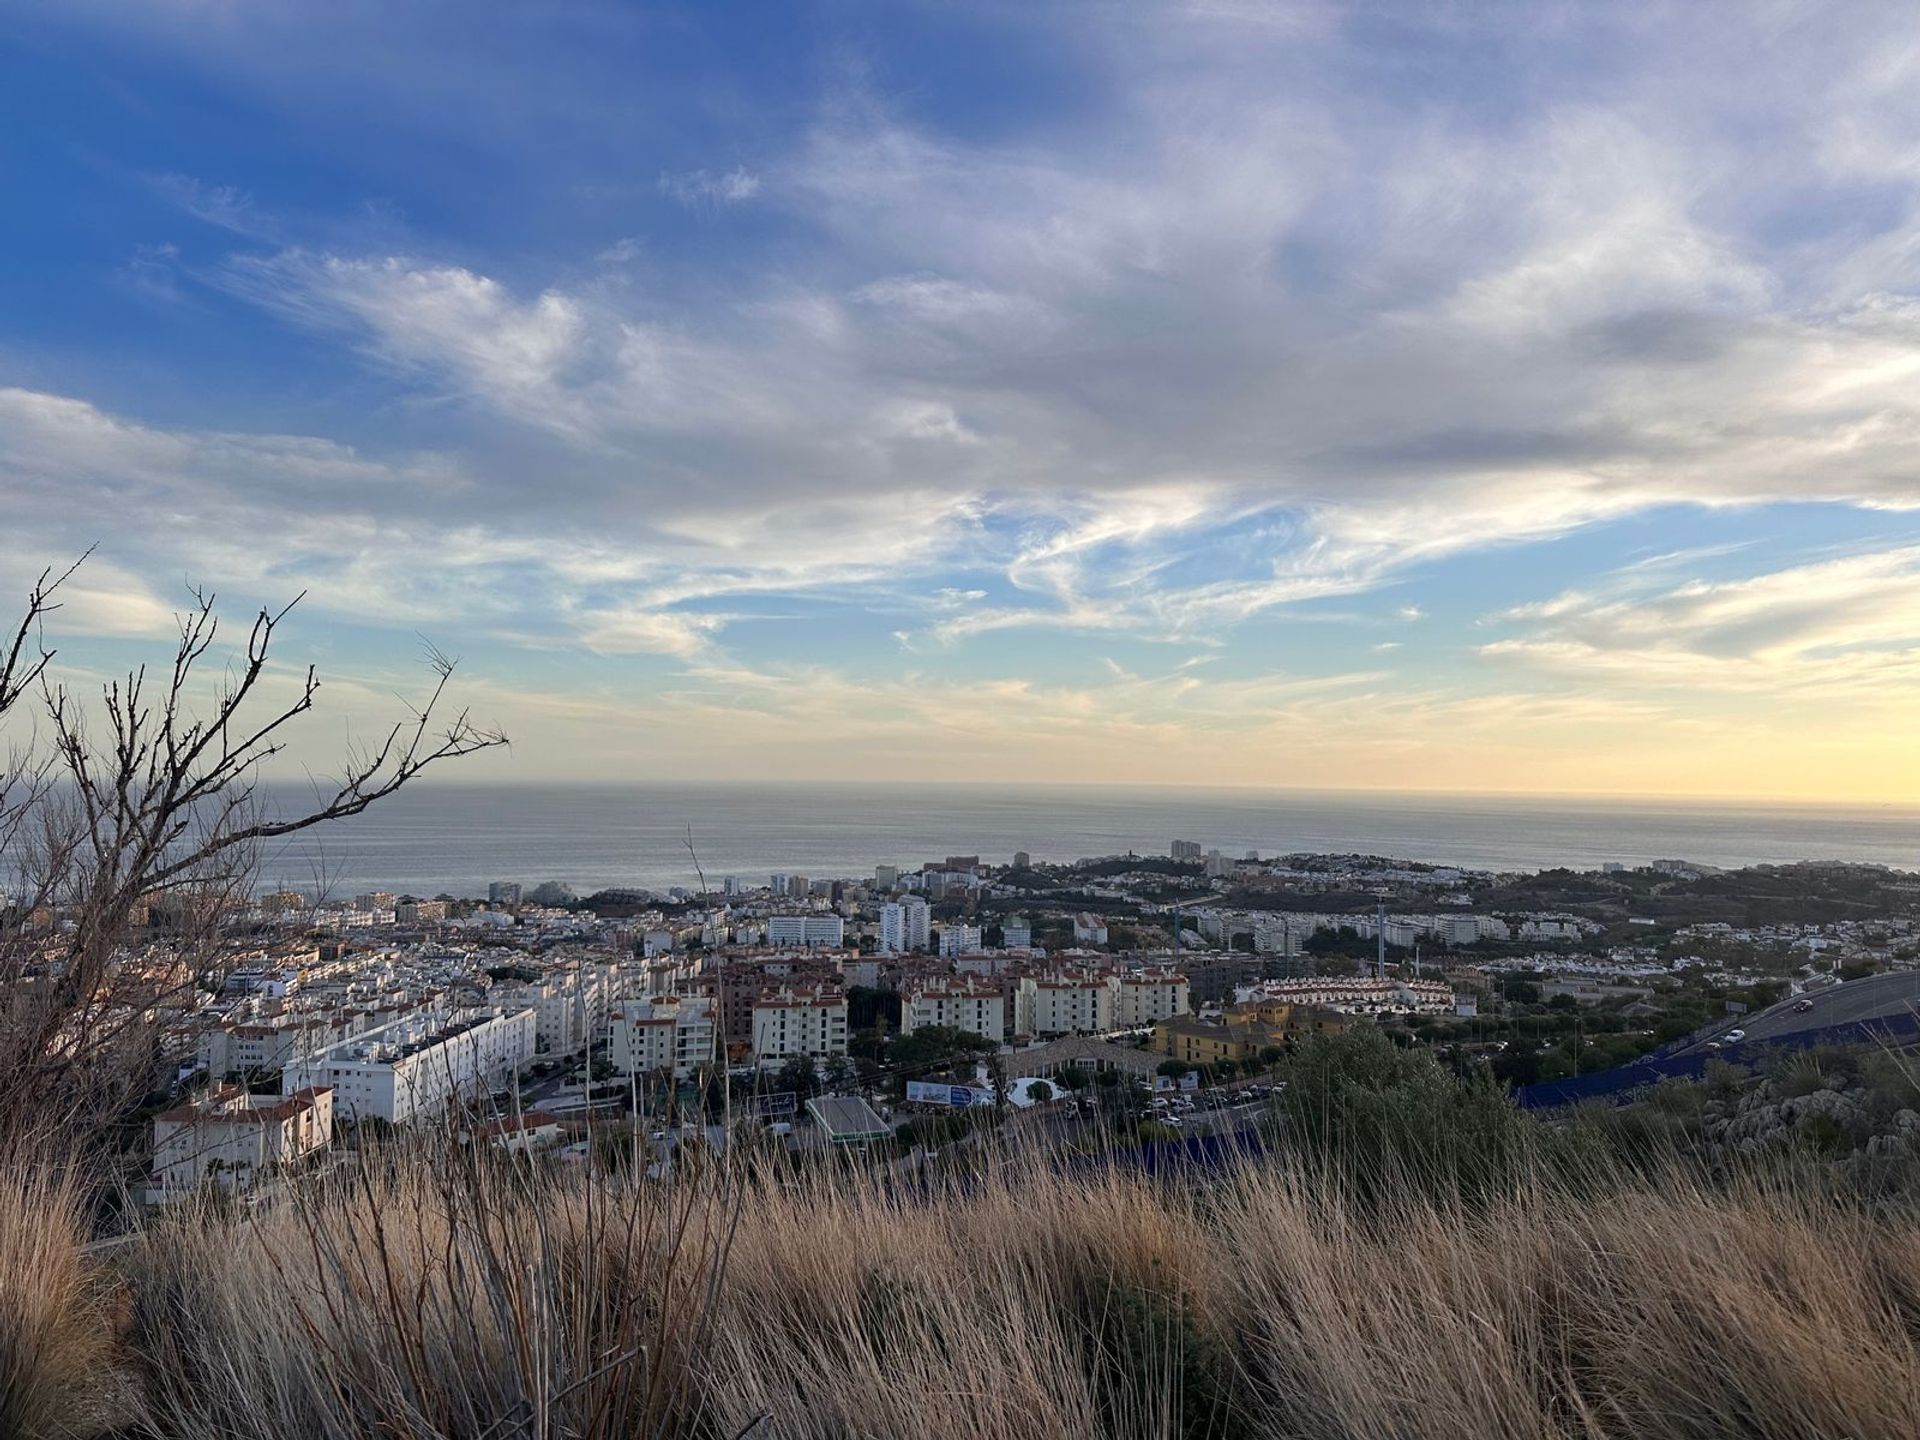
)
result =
(1622, 1083)
(1162, 1157)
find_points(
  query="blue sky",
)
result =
(1456, 397)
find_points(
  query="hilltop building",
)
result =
(230, 1137)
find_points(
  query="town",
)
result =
(1130, 997)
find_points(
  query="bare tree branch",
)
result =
(18, 670)
(148, 807)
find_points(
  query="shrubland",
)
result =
(1406, 1255)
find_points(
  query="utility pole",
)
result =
(720, 1029)
(1380, 933)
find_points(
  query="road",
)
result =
(1895, 993)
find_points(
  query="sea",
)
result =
(434, 838)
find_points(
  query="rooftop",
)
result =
(848, 1119)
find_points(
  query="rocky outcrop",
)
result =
(1840, 1114)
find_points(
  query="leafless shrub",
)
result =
(146, 806)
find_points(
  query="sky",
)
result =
(1469, 397)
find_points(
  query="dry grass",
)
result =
(58, 1374)
(440, 1298)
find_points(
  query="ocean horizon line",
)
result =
(1632, 798)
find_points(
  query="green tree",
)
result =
(837, 1072)
(798, 1074)
(872, 1009)
(934, 1045)
(1382, 1115)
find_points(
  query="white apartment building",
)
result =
(412, 1068)
(916, 922)
(668, 1032)
(1016, 933)
(987, 962)
(267, 1045)
(1064, 1004)
(1355, 993)
(864, 971)
(960, 1003)
(225, 1049)
(230, 1136)
(959, 940)
(1277, 935)
(1089, 929)
(569, 1007)
(789, 1022)
(1555, 927)
(905, 925)
(1146, 997)
(807, 930)
(274, 982)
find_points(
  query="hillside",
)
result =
(1406, 1256)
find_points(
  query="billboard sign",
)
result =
(929, 1092)
(1190, 1080)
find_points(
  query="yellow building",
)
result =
(1244, 1031)
(1196, 1042)
(1289, 1018)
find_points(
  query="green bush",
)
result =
(1378, 1115)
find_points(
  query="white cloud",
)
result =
(648, 632)
(701, 187)
(225, 206)
(1252, 330)
(1845, 625)
(514, 354)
